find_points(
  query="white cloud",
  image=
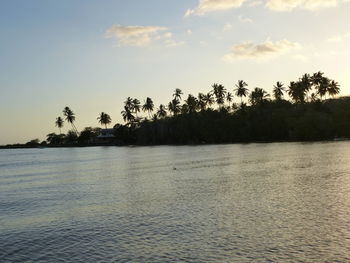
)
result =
(140, 36)
(338, 38)
(255, 3)
(267, 49)
(173, 43)
(206, 6)
(288, 5)
(243, 19)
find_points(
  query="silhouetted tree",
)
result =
(334, 88)
(241, 90)
(219, 92)
(209, 99)
(70, 118)
(148, 106)
(161, 112)
(278, 90)
(127, 115)
(177, 94)
(104, 119)
(192, 103)
(174, 107)
(59, 123)
(258, 96)
(136, 106)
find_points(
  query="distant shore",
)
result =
(23, 146)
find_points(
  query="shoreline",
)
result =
(20, 146)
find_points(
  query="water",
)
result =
(286, 202)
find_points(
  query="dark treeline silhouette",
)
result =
(311, 114)
(213, 117)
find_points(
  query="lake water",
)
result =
(281, 202)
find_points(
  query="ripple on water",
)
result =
(221, 203)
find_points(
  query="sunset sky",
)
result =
(91, 55)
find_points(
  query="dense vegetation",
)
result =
(311, 114)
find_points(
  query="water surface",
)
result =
(282, 202)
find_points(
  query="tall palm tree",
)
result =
(320, 83)
(148, 106)
(297, 92)
(59, 123)
(177, 94)
(161, 112)
(70, 117)
(136, 105)
(208, 99)
(278, 90)
(192, 103)
(229, 98)
(258, 96)
(174, 107)
(127, 115)
(201, 102)
(129, 103)
(334, 88)
(104, 119)
(219, 92)
(241, 90)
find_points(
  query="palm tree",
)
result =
(70, 117)
(127, 115)
(129, 103)
(241, 90)
(208, 99)
(59, 123)
(297, 92)
(334, 88)
(136, 106)
(177, 94)
(201, 102)
(278, 90)
(320, 83)
(229, 98)
(192, 103)
(258, 96)
(161, 112)
(174, 107)
(148, 106)
(219, 93)
(104, 119)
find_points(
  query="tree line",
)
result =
(303, 110)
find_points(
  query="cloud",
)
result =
(140, 36)
(249, 50)
(338, 38)
(255, 3)
(243, 19)
(206, 6)
(288, 5)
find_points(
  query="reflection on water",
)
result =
(283, 202)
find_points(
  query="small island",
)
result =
(312, 113)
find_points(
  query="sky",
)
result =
(91, 55)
